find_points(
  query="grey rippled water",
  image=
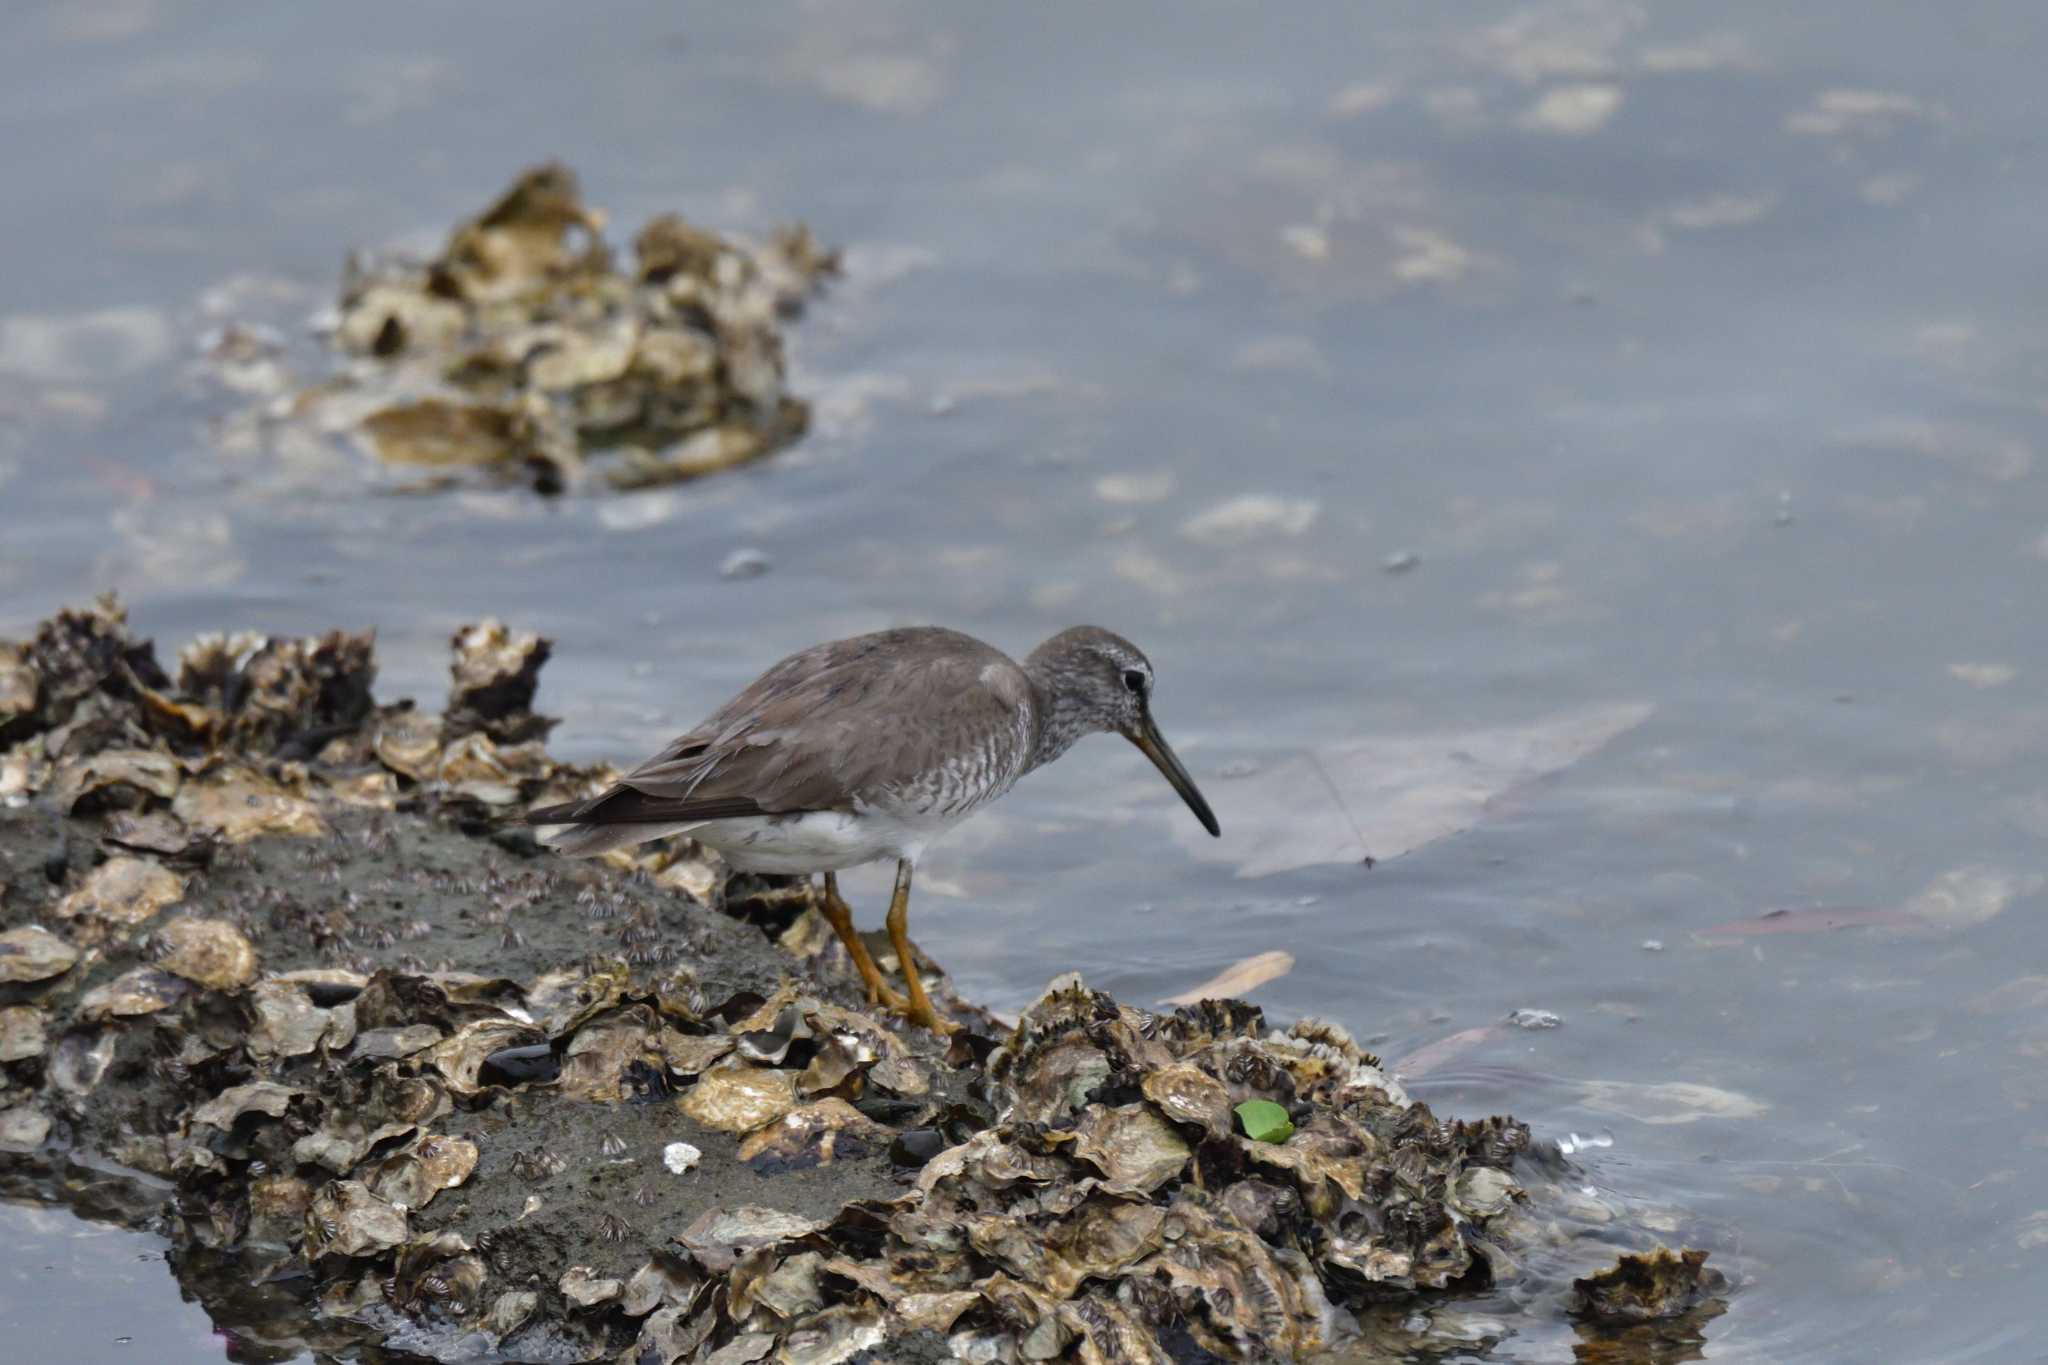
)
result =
(1610, 434)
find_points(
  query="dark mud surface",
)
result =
(281, 976)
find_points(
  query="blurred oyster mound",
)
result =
(524, 351)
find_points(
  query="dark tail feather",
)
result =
(587, 841)
(624, 805)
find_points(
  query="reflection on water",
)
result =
(1406, 380)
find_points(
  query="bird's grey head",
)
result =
(1093, 681)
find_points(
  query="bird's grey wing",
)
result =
(817, 729)
(765, 716)
(839, 726)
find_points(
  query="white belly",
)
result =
(822, 841)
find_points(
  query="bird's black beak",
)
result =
(1153, 744)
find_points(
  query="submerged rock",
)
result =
(1658, 1284)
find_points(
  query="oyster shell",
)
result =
(21, 1033)
(239, 804)
(814, 1135)
(583, 1288)
(120, 894)
(493, 674)
(256, 1097)
(153, 832)
(410, 1179)
(23, 1128)
(142, 990)
(1135, 1149)
(409, 743)
(80, 1060)
(345, 1219)
(125, 777)
(738, 1099)
(277, 1207)
(20, 688)
(1186, 1093)
(720, 1235)
(286, 1023)
(207, 952)
(32, 953)
(662, 1282)
(459, 1059)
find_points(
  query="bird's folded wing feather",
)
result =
(813, 731)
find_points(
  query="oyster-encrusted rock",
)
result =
(1084, 1194)
(523, 348)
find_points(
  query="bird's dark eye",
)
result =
(1134, 680)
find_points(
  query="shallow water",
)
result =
(1693, 353)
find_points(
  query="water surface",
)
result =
(1689, 357)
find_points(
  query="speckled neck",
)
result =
(1063, 715)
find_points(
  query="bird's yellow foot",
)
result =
(882, 994)
(929, 1018)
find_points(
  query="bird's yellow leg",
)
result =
(840, 916)
(920, 1011)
